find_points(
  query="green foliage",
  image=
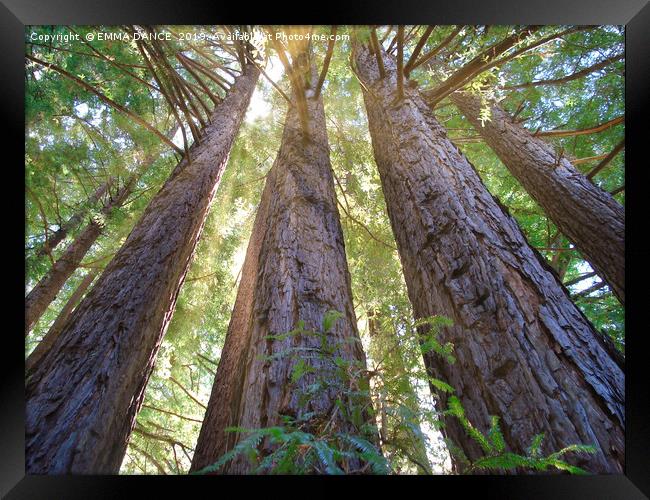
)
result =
(329, 318)
(430, 330)
(497, 458)
(74, 143)
(299, 446)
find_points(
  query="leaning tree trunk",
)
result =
(46, 290)
(83, 397)
(60, 321)
(74, 221)
(295, 270)
(590, 217)
(524, 352)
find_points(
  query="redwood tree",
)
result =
(295, 270)
(83, 397)
(55, 330)
(48, 287)
(590, 217)
(74, 221)
(524, 352)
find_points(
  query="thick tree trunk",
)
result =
(524, 352)
(46, 290)
(83, 397)
(295, 270)
(590, 217)
(56, 328)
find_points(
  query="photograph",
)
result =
(355, 249)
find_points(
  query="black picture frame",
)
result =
(634, 14)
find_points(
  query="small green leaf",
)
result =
(329, 319)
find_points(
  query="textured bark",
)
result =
(46, 290)
(524, 352)
(295, 269)
(83, 397)
(590, 217)
(56, 328)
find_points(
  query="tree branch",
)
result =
(580, 278)
(172, 413)
(377, 49)
(400, 62)
(326, 62)
(149, 457)
(619, 147)
(105, 99)
(417, 50)
(568, 78)
(587, 291)
(585, 131)
(188, 393)
(482, 62)
(436, 50)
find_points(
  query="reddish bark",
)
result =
(524, 352)
(54, 331)
(46, 290)
(84, 395)
(295, 269)
(590, 217)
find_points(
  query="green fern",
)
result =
(495, 436)
(326, 456)
(295, 449)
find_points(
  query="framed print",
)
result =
(385, 243)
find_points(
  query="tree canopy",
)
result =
(100, 112)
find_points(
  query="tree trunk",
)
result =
(46, 290)
(74, 221)
(54, 331)
(590, 217)
(295, 270)
(524, 352)
(84, 395)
